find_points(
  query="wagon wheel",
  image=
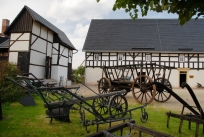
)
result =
(118, 104)
(161, 94)
(101, 105)
(143, 116)
(104, 85)
(146, 92)
(82, 116)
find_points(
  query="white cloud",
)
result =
(76, 10)
(81, 30)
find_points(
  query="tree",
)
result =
(185, 9)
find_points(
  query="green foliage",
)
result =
(185, 9)
(8, 91)
(78, 74)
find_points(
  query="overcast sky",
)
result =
(71, 16)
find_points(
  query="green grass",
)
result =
(31, 121)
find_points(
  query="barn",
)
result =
(113, 42)
(37, 46)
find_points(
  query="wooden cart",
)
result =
(137, 78)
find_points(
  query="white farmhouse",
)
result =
(113, 42)
(37, 46)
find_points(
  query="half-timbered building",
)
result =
(113, 42)
(37, 46)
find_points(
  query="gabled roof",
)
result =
(145, 35)
(36, 17)
(4, 42)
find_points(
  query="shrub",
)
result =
(9, 92)
(78, 74)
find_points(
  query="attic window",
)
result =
(143, 48)
(185, 49)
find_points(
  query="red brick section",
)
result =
(5, 25)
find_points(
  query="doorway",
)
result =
(182, 77)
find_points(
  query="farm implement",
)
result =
(137, 78)
(106, 108)
(195, 114)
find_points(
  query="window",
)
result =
(181, 58)
(120, 57)
(96, 57)
(148, 58)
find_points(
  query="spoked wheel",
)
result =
(118, 104)
(82, 116)
(101, 105)
(161, 94)
(143, 116)
(146, 93)
(104, 86)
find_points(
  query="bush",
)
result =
(9, 92)
(78, 74)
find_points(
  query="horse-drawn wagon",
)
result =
(137, 78)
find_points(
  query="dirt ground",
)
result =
(171, 104)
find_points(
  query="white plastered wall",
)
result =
(57, 72)
(13, 57)
(92, 75)
(38, 71)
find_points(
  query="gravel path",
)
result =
(171, 104)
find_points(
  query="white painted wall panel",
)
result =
(25, 36)
(89, 78)
(62, 72)
(61, 48)
(13, 57)
(63, 61)
(37, 58)
(56, 46)
(54, 73)
(54, 59)
(39, 45)
(57, 72)
(11, 42)
(50, 36)
(36, 28)
(65, 52)
(20, 46)
(33, 38)
(49, 49)
(38, 71)
(14, 36)
(43, 32)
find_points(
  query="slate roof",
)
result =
(145, 35)
(4, 42)
(36, 17)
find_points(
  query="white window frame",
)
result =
(96, 57)
(148, 58)
(120, 57)
(181, 58)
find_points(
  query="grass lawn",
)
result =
(31, 121)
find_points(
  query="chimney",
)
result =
(5, 25)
